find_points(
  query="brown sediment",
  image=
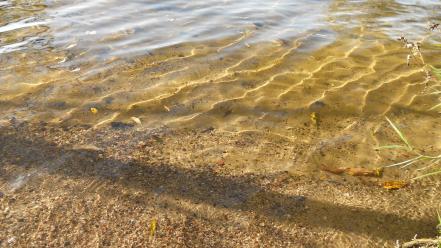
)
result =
(81, 186)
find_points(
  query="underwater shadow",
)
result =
(239, 193)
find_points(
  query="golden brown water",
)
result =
(233, 66)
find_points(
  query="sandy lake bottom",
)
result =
(217, 123)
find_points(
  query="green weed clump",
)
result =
(432, 161)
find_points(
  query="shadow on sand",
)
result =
(240, 193)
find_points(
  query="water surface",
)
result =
(236, 66)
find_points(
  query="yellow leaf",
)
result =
(136, 120)
(314, 118)
(93, 110)
(152, 228)
(378, 171)
(394, 184)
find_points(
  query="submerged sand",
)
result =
(99, 187)
(178, 124)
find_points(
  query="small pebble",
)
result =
(11, 240)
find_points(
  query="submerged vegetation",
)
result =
(433, 161)
(415, 56)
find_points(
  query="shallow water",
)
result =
(231, 65)
(215, 119)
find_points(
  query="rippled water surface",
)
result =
(264, 66)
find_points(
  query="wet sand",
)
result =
(81, 186)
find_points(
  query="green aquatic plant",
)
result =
(402, 137)
(417, 157)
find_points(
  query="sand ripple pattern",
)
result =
(256, 73)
